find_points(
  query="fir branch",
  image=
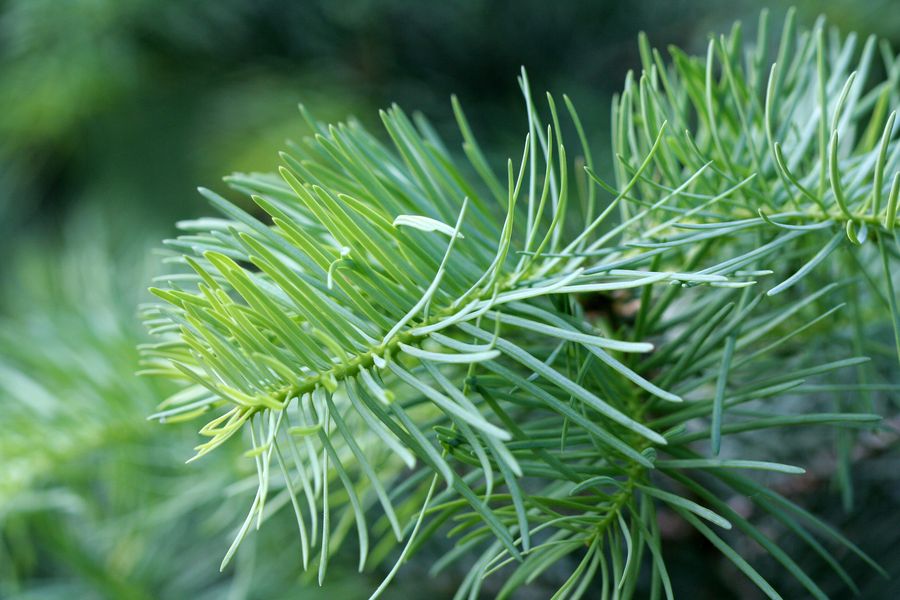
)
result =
(363, 331)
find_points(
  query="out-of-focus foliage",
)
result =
(86, 508)
(87, 497)
(66, 333)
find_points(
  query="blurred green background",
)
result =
(113, 111)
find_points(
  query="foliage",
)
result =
(94, 502)
(541, 364)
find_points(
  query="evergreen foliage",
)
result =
(537, 363)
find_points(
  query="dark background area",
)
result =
(113, 111)
(131, 104)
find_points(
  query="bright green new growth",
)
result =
(412, 350)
